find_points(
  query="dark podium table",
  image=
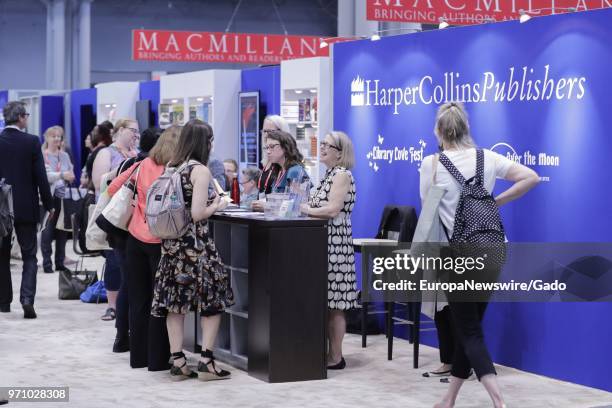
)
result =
(278, 270)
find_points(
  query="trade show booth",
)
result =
(535, 92)
(211, 96)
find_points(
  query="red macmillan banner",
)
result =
(465, 12)
(189, 46)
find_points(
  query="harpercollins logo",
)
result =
(357, 92)
(524, 84)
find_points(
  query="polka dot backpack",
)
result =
(478, 227)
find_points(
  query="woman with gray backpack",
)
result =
(468, 174)
(190, 275)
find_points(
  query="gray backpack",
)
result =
(166, 213)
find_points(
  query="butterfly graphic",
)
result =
(380, 139)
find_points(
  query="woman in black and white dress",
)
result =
(334, 200)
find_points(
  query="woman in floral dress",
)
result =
(190, 275)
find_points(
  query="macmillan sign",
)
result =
(189, 46)
(466, 12)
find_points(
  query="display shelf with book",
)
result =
(305, 105)
(206, 95)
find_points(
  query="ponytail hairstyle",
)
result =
(452, 126)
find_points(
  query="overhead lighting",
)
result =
(375, 37)
(313, 91)
(200, 99)
(323, 44)
(107, 105)
(298, 91)
(114, 105)
(175, 101)
(524, 16)
(443, 24)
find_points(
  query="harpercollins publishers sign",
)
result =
(521, 84)
(188, 46)
(465, 12)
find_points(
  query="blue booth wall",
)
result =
(3, 101)
(78, 98)
(150, 90)
(51, 112)
(266, 80)
(567, 124)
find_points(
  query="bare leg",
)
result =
(451, 394)
(175, 323)
(112, 298)
(210, 328)
(490, 383)
(337, 329)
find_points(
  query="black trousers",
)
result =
(470, 348)
(446, 340)
(48, 235)
(122, 322)
(149, 345)
(26, 236)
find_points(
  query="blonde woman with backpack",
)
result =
(148, 338)
(190, 275)
(457, 160)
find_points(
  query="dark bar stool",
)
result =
(397, 224)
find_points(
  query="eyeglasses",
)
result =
(135, 131)
(271, 146)
(266, 131)
(26, 115)
(326, 145)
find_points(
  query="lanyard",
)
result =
(279, 177)
(58, 167)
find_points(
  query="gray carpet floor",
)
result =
(68, 345)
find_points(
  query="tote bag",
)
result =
(71, 204)
(95, 237)
(119, 210)
(429, 236)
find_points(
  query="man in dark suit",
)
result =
(22, 165)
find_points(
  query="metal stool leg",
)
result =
(390, 306)
(364, 319)
(417, 334)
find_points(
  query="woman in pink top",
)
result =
(148, 335)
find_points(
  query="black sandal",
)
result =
(429, 374)
(108, 315)
(176, 372)
(206, 374)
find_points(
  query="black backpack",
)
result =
(6, 209)
(478, 226)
